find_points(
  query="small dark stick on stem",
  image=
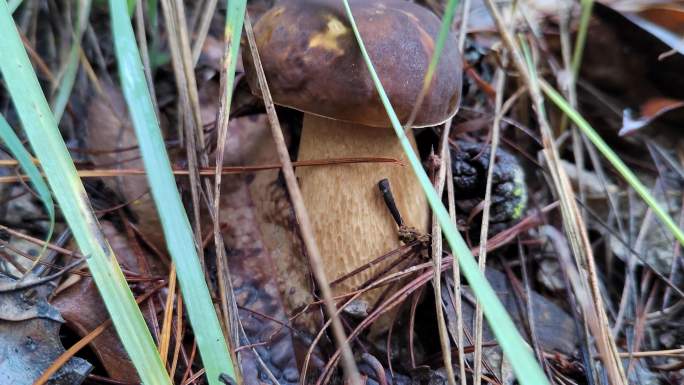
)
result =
(386, 191)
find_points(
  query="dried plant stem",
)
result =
(455, 268)
(179, 332)
(437, 256)
(571, 94)
(655, 353)
(484, 229)
(183, 245)
(187, 120)
(233, 27)
(144, 51)
(572, 220)
(203, 30)
(165, 338)
(185, 77)
(629, 287)
(351, 371)
(451, 201)
(463, 30)
(204, 171)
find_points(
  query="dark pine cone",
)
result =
(509, 191)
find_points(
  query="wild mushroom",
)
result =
(313, 64)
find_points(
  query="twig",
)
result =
(529, 307)
(654, 353)
(165, 339)
(463, 30)
(205, 171)
(188, 110)
(179, 331)
(399, 252)
(21, 285)
(436, 248)
(201, 35)
(484, 228)
(351, 371)
(321, 333)
(629, 286)
(451, 200)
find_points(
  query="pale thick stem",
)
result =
(351, 222)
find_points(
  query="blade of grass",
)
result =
(444, 30)
(44, 136)
(67, 83)
(26, 162)
(573, 224)
(614, 160)
(235, 16)
(524, 365)
(13, 5)
(175, 224)
(587, 6)
(576, 60)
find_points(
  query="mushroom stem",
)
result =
(351, 221)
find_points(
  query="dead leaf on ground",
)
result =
(113, 145)
(29, 339)
(82, 307)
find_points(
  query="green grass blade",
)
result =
(235, 16)
(614, 160)
(587, 6)
(44, 136)
(26, 162)
(69, 76)
(517, 352)
(179, 238)
(445, 28)
(13, 5)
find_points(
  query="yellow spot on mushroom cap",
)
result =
(328, 39)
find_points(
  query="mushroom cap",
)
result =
(313, 63)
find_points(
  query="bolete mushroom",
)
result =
(313, 64)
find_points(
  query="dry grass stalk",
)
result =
(482, 255)
(572, 221)
(437, 255)
(305, 228)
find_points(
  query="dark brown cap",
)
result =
(313, 64)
